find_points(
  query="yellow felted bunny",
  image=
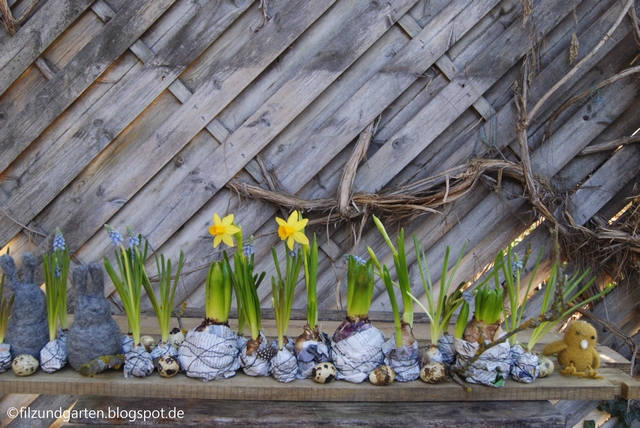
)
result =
(576, 352)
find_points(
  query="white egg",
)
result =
(382, 375)
(545, 365)
(25, 365)
(323, 372)
(168, 366)
(176, 337)
(433, 372)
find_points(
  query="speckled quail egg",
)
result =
(433, 372)
(382, 375)
(323, 372)
(168, 366)
(148, 342)
(176, 337)
(25, 365)
(545, 366)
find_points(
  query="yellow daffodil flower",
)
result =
(291, 229)
(223, 230)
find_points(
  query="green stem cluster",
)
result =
(217, 297)
(359, 287)
(282, 291)
(56, 269)
(310, 258)
(163, 302)
(246, 285)
(512, 269)
(560, 299)
(129, 282)
(439, 308)
(5, 308)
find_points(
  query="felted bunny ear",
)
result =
(28, 267)
(9, 268)
(97, 277)
(80, 279)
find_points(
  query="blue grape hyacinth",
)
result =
(58, 241)
(114, 235)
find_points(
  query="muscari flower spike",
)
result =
(58, 241)
(134, 241)
(247, 247)
(114, 235)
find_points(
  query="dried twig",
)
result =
(609, 81)
(574, 70)
(610, 145)
(9, 22)
(349, 172)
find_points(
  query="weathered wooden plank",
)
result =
(323, 143)
(242, 387)
(117, 35)
(255, 413)
(373, 17)
(101, 123)
(232, 78)
(46, 408)
(547, 160)
(438, 231)
(600, 188)
(21, 50)
(320, 140)
(455, 98)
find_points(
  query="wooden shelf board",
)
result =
(242, 387)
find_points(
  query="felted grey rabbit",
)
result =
(28, 328)
(93, 333)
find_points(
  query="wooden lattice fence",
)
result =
(157, 114)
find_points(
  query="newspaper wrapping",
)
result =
(54, 354)
(445, 345)
(210, 354)
(137, 361)
(524, 365)
(5, 357)
(405, 360)
(162, 349)
(284, 366)
(358, 355)
(312, 353)
(491, 368)
(255, 364)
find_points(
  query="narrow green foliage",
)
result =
(359, 286)
(310, 258)
(461, 322)
(440, 307)
(56, 269)
(163, 302)
(129, 280)
(245, 284)
(561, 298)
(283, 289)
(386, 278)
(5, 308)
(512, 268)
(402, 270)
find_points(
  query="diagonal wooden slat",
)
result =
(454, 99)
(101, 123)
(312, 135)
(119, 33)
(325, 142)
(21, 50)
(230, 79)
(185, 124)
